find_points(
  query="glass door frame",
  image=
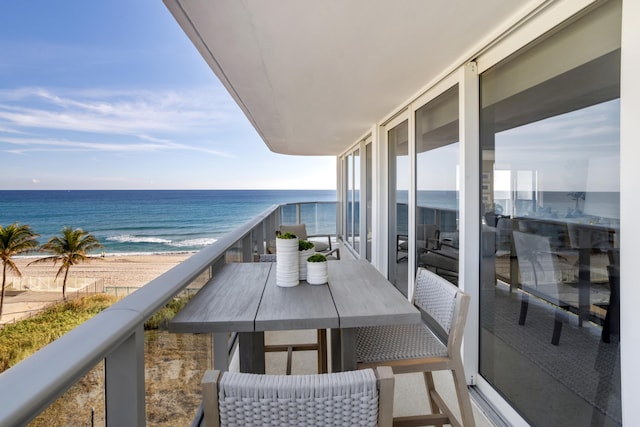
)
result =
(383, 208)
(350, 196)
(466, 77)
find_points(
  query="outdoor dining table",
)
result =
(244, 298)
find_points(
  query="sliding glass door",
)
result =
(437, 189)
(398, 156)
(549, 302)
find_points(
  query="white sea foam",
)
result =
(204, 241)
(128, 238)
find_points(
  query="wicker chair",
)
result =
(352, 398)
(300, 230)
(430, 346)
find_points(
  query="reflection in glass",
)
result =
(398, 203)
(551, 227)
(437, 165)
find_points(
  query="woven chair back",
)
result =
(436, 297)
(339, 399)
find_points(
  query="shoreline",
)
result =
(126, 271)
(135, 269)
(108, 255)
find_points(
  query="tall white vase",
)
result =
(302, 259)
(287, 263)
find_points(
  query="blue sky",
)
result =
(112, 95)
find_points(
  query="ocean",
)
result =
(146, 221)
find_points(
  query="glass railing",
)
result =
(115, 338)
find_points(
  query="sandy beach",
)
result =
(109, 271)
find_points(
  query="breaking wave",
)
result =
(128, 238)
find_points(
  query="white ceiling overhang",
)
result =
(313, 76)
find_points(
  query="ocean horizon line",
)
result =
(169, 189)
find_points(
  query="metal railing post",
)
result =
(259, 237)
(247, 248)
(124, 382)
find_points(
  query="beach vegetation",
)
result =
(172, 395)
(161, 318)
(317, 258)
(70, 248)
(19, 340)
(15, 239)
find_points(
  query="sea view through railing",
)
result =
(116, 335)
(151, 221)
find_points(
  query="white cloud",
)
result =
(147, 121)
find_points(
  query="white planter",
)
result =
(302, 260)
(317, 273)
(287, 264)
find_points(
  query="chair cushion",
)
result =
(320, 246)
(394, 342)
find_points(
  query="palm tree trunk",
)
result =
(4, 279)
(64, 284)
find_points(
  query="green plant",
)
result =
(21, 339)
(160, 320)
(304, 245)
(287, 235)
(317, 258)
(70, 248)
(15, 239)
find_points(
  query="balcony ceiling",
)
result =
(313, 76)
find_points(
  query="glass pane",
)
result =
(549, 303)
(398, 203)
(319, 218)
(437, 157)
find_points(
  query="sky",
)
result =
(113, 95)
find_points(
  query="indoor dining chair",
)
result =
(433, 345)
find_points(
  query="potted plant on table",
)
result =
(317, 270)
(305, 250)
(287, 263)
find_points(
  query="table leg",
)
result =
(349, 361)
(252, 352)
(336, 353)
(221, 351)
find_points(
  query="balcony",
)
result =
(116, 338)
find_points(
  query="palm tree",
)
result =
(14, 239)
(70, 249)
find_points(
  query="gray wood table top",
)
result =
(363, 297)
(300, 307)
(227, 303)
(244, 297)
